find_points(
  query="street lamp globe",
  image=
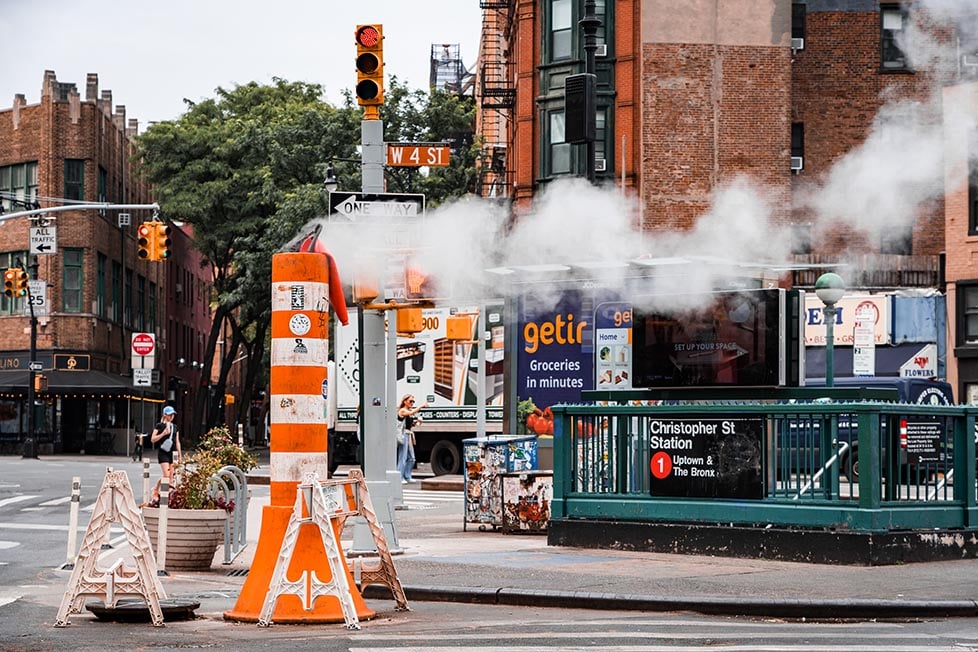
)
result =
(330, 183)
(830, 288)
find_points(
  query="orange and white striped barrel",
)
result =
(300, 315)
(299, 357)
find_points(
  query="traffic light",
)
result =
(22, 289)
(162, 242)
(146, 238)
(10, 282)
(370, 69)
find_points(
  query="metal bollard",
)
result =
(161, 527)
(73, 523)
(146, 494)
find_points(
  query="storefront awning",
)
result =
(73, 382)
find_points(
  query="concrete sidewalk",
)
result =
(442, 560)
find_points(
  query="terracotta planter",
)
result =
(192, 536)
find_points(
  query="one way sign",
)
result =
(361, 207)
(44, 240)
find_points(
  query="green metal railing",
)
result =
(867, 466)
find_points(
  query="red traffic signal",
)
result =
(370, 67)
(146, 239)
(10, 282)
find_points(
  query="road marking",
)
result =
(32, 509)
(7, 485)
(16, 499)
(56, 501)
(4, 545)
(5, 601)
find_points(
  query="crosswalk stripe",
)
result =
(56, 501)
(16, 499)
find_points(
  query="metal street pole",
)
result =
(830, 312)
(589, 25)
(30, 444)
(376, 396)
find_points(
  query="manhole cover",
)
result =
(135, 610)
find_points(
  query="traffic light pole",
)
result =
(30, 443)
(589, 25)
(377, 395)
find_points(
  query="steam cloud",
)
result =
(875, 189)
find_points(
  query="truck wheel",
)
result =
(445, 458)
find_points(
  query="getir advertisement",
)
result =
(555, 357)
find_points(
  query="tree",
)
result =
(245, 169)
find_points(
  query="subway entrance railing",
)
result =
(826, 458)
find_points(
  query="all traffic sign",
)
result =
(143, 343)
(44, 239)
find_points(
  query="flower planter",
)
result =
(192, 536)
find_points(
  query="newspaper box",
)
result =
(486, 458)
(526, 501)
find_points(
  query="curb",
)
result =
(711, 605)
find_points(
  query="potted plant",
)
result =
(196, 514)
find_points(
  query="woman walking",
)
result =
(169, 441)
(407, 418)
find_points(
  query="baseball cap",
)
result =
(169, 410)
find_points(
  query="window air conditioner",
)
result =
(602, 50)
(178, 287)
(797, 44)
(600, 165)
(797, 163)
(970, 60)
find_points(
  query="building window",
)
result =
(897, 240)
(74, 179)
(71, 288)
(18, 184)
(127, 300)
(972, 197)
(141, 303)
(561, 29)
(798, 16)
(893, 23)
(559, 150)
(100, 285)
(798, 139)
(968, 309)
(801, 239)
(116, 306)
(600, 136)
(151, 321)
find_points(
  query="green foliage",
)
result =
(523, 410)
(216, 450)
(245, 170)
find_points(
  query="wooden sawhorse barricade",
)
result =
(115, 503)
(327, 504)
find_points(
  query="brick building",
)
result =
(692, 95)
(70, 147)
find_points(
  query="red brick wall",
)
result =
(710, 114)
(46, 133)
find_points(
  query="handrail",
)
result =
(818, 475)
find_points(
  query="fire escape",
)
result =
(497, 96)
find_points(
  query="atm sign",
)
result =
(411, 155)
